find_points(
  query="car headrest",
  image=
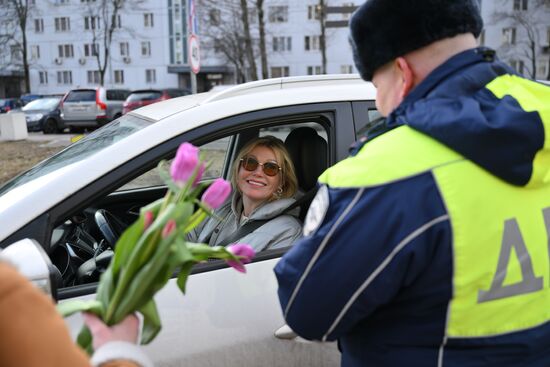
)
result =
(308, 152)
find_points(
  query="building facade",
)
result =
(149, 41)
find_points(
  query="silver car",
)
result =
(90, 108)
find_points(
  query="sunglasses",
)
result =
(269, 168)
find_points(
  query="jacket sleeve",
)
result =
(34, 334)
(362, 253)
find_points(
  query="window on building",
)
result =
(124, 49)
(146, 48)
(520, 4)
(517, 65)
(278, 14)
(282, 43)
(91, 49)
(280, 71)
(59, 2)
(65, 50)
(346, 15)
(16, 54)
(117, 21)
(548, 36)
(542, 69)
(91, 22)
(253, 15)
(43, 77)
(62, 24)
(64, 77)
(93, 77)
(35, 52)
(346, 69)
(214, 17)
(148, 20)
(314, 70)
(311, 43)
(314, 12)
(39, 25)
(509, 35)
(150, 76)
(87, 1)
(119, 76)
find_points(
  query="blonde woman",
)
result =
(264, 183)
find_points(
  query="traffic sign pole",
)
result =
(193, 49)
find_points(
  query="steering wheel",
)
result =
(110, 226)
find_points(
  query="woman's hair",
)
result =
(289, 182)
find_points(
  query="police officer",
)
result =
(430, 246)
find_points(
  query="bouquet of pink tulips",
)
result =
(154, 248)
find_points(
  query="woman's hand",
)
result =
(127, 330)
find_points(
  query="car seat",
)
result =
(308, 152)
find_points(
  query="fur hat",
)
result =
(381, 30)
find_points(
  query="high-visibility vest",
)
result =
(500, 232)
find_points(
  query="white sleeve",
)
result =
(120, 350)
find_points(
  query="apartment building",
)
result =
(149, 45)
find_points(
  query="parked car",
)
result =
(92, 108)
(225, 318)
(26, 98)
(144, 97)
(10, 105)
(43, 114)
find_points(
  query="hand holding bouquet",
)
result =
(154, 248)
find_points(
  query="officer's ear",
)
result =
(407, 76)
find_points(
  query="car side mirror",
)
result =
(30, 259)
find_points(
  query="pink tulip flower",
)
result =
(148, 219)
(184, 164)
(169, 227)
(216, 194)
(245, 252)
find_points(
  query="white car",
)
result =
(226, 318)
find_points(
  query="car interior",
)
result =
(81, 246)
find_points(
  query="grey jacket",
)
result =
(280, 231)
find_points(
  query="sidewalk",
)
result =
(51, 140)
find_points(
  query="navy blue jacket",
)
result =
(349, 279)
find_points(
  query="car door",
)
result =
(226, 317)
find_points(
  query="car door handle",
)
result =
(285, 332)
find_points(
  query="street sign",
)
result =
(192, 21)
(194, 54)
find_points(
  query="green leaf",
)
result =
(184, 274)
(195, 220)
(84, 340)
(106, 287)
(70, 307)
(139, 290)
(151, 322)
(167, 179)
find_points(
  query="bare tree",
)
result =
(104, 23)
(225, 33)
(322, 39)
(248, 40)
(524, 26)
(261, 30)
(17, 12)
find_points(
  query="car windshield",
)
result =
(81, 96)
(4, 102)
(144, 96)
(85, 147)
(42, 104)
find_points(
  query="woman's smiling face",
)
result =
(256, 186)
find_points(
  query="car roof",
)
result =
(195, 110)
(265, 93)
